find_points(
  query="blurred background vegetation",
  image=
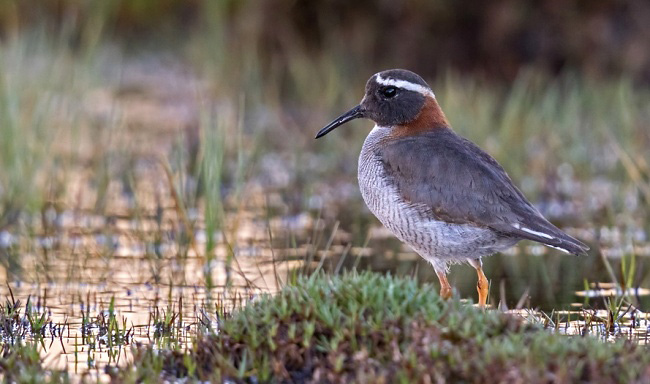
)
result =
(159, 155)
(493, 39)
(557, 91)
(158, 166)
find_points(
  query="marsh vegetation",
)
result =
(153, 194)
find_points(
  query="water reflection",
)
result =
(102, 284)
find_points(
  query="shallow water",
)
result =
(106, 283)
(91, 270)
(127, 265)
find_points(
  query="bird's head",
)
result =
(395, 98)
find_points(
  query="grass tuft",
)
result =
(364, 327)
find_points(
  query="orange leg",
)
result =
(483, 285)
(445, 288)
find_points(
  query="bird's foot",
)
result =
(445, 288)
(445, 292)
(483, 285)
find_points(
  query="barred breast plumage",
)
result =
(437, 241)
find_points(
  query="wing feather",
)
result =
(462, 184)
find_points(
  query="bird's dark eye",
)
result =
(389, 92)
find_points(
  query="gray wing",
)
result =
(462, 184)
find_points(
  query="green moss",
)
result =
(21, 363)
(372, 328)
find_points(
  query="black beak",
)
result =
(352, 114)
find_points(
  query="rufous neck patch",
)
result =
(430, 117)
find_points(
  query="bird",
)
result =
(435, 190)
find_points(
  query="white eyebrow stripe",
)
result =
(405, 85)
